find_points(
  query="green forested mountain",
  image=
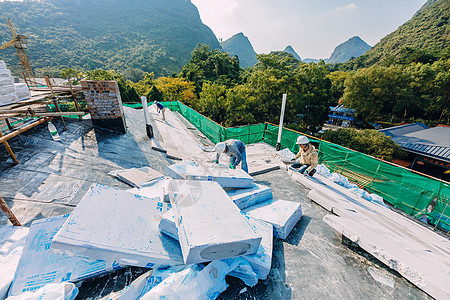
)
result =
(130, 36)
(352, 48)
(291, 50)
(424, 39)
(239, 45)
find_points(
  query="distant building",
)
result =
(428, 145)
(341, 116)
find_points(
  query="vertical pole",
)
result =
(73, 96)
(25, 79)
(148, 126)
(8, 148)
(4, 207)
(54, 100)
(280, 127)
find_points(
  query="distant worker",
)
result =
(160, 109)
(235, 149)
(306, 158)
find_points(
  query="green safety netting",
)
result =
(410, 192)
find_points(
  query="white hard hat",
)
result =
(220, 147)
(301, 140)
(154, 102)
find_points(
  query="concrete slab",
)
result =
(39, 265)
(210, 226)
(115, 225)
(283, 215)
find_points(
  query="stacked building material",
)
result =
(210, 226)
(7, 91)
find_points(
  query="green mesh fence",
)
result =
(410, 192)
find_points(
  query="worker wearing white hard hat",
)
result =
(235, 149)
(306, 158)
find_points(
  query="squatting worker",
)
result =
(235, 149)
(160, 109)
(306, 158)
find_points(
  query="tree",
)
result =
(72, 73)
(127, 92)
(144, 86)
(378, 92)
(368, 141)
(155, 95)
(211, 65)
(177, 89)
(212, 102)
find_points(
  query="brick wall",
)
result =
(104, 103)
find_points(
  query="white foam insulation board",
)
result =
(236, 178)
(210, 226)
(39, 265)
(261, 261)
(283, 215)
(247, 197)
(12, 241)
(178, 170)
(116, 225)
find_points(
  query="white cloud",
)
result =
(351, 6)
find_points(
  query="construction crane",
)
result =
(19, 42)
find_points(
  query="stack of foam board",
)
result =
(116, 225)
(12, 241)
(261, 261)
(210, 226)
(39, 265)
(283, 215)
(7, 90)
(244, 198)
(236, 178)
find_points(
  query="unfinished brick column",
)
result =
(104, 104)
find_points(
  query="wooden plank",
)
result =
(8, 148)
(74, 97)
(4, 207)
(23, 129)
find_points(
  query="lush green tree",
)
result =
(75, 75)
(127, 91)
(211, 65)
(177, 89)
(368, 141)
(144, 86)
(213, 101)
(379, 92)
(155, 95)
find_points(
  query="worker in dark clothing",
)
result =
(160, 109)
(235, 149)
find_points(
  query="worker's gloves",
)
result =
(232, 167)
(216, 161)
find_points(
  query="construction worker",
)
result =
(160, 109)
(306, 158)
(235, 149)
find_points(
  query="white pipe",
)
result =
(145, 108)
(280, 127)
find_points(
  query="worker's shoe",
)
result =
(313, 171)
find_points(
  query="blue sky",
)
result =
(312, 27)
